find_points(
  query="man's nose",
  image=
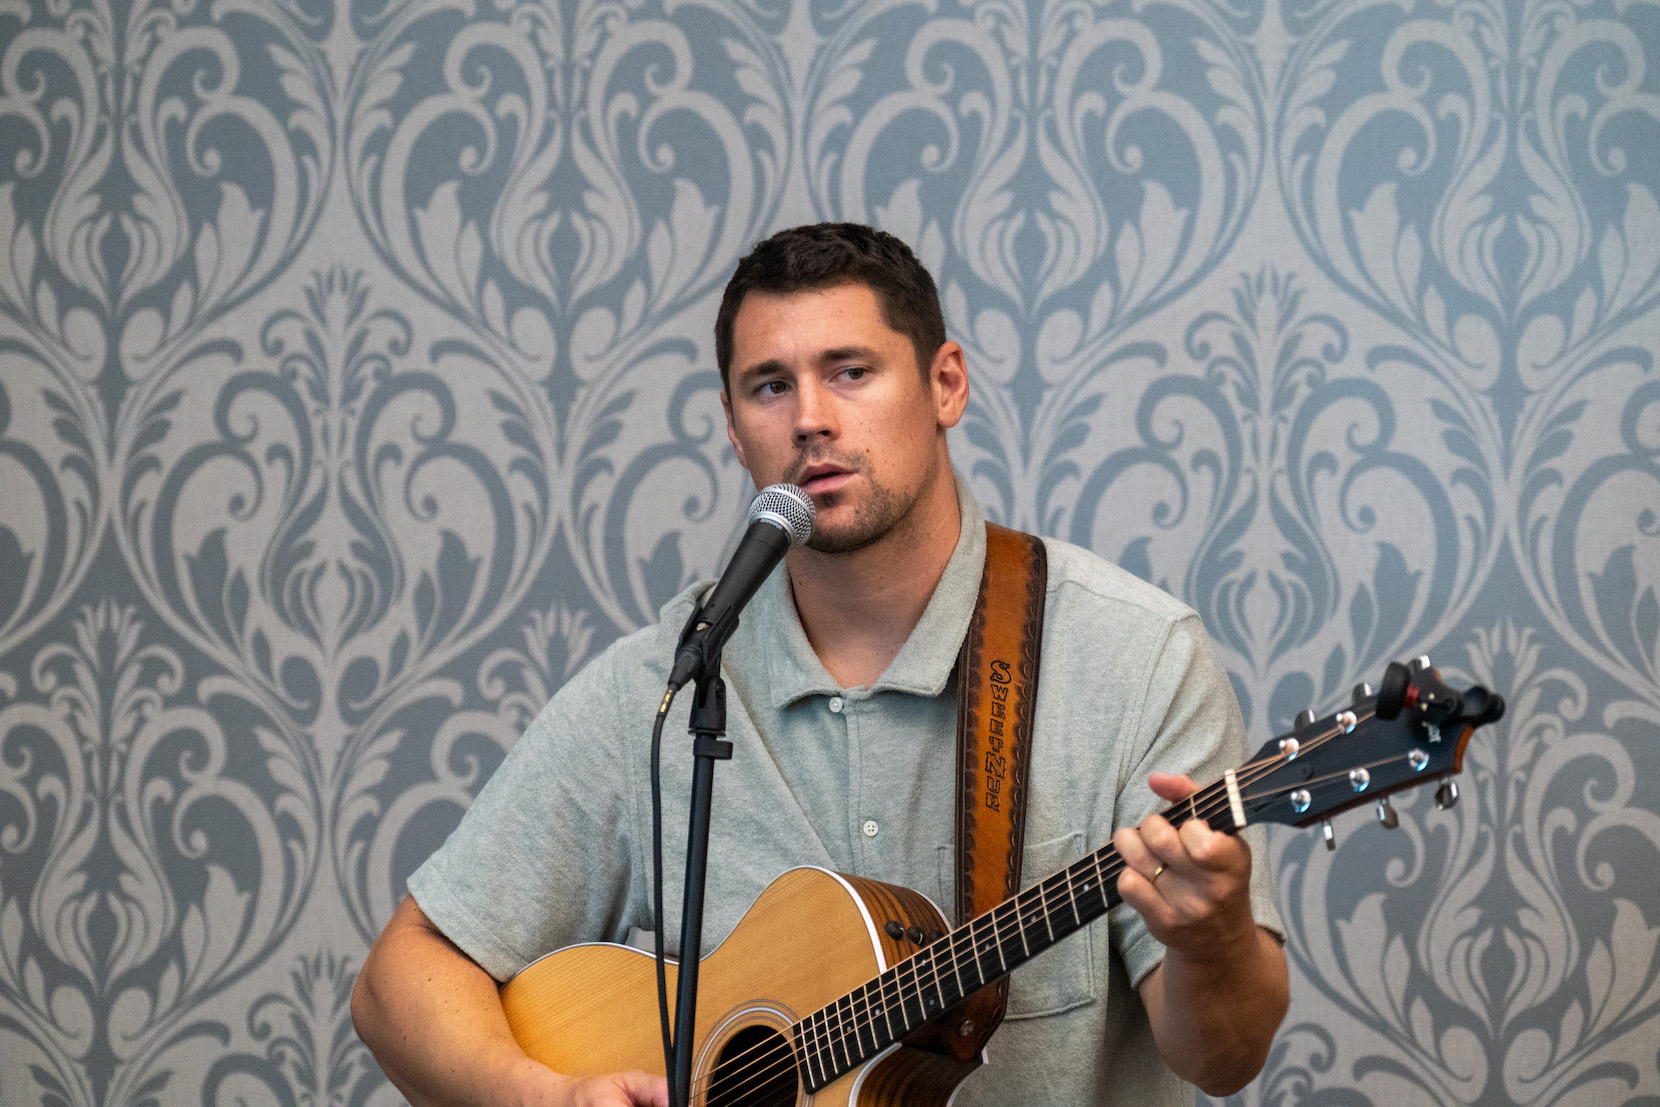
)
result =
(815, 413)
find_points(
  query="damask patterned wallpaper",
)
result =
(356, 386)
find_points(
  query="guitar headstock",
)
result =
(1411, 730)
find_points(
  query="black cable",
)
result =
(657, 886)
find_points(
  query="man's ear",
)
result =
(732, 434)
(948, 379)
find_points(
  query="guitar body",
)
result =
(811, 937)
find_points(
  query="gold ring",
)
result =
(1155, 875)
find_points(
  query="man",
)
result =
(838, 377)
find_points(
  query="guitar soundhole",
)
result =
(755, 1069)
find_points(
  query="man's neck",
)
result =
(859, 608)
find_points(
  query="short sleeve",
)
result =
(541, 859)
(1189, 723)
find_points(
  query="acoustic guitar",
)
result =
(861, 1009)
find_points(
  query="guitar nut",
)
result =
(966, 1028)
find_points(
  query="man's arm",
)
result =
(1223, 987)
(433, 1019)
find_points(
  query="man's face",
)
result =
(824, 394)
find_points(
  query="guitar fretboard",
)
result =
(852, 1030)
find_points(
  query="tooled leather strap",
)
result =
(997, 681)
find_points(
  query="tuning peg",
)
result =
(1305, 717)
(1386, 814)
(1419, 664)
(1397, 678)
(1481, 707)
(1362, 691)
(1328, 834)
(1447, 795)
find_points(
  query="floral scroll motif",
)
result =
(1483, 177)
(1302, 508)
(519, 195)
(1094, 165)
(1589, 516)
(311, 1054)
(174, 160)
(148, 861)
(335, 526)
(148, 187)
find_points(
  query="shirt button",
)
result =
(836, 704)
(871, 828)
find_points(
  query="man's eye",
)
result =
(772, 388)
(854, 372)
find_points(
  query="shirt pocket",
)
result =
(1061, 977)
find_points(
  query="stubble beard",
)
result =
(874, 518)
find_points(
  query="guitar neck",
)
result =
(838, 1037)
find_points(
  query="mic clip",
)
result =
(691, 656)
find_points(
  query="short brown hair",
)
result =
(824, 255)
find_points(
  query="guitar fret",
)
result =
(906, 1023)
(802, 1054)
(856, 1051)
(830, 1038)
(918, 961)
(905, 994)
(816, 1056)
(973, 974)
(1020, 923)
(874, 1006)
(923, 1004)
(872, 1002)
(999, 935)
(956, 969)
(887, 1005)
(821, 1033)
(974, 933)
(966, 985)
(858, 1023)
(1072, 898)
(841, 1032)
(939, 979)
(1092, 879)
(1103, 883)
(827, 1058)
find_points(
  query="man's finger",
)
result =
(1163, 841)
(643, 1088)
(1133, 849)
(1171, 787)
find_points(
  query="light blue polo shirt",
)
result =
(557, 848)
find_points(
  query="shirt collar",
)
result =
(923, 665)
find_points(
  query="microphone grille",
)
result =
(787, 507)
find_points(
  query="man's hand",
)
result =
(1222, 989)
(433, 1019)
(627, 1089)
(1192, 885)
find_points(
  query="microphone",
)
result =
(779, 518)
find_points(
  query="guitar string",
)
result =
(782, 1050)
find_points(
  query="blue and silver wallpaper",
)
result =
(357, 386)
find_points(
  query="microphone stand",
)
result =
(708, 728)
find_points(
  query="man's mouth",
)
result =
(821, 479)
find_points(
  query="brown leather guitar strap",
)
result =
(997, 682)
